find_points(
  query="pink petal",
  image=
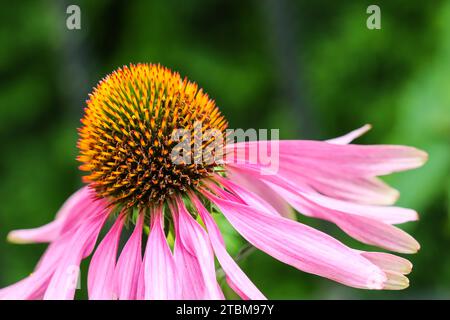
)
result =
(247, 197)
(190, 273)
(393, 266)
(235, 276)
(370, 190)
(30, 288)
(196, 242)
(363, 222)
(388, 262)
(301, 246)
(365, 190)
(62, 286)
(161, 278)
(386, 214)
(349, 137)
(364, 228)
(81, 204)
(46, 233)
(34, 286)
(395, 281)
(101, 268)
(261, 189)
(126, 275)
(353, 160)
(140, 290)
(376, 233)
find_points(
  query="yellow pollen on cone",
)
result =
(125, 139)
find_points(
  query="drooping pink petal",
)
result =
(349, 137)
(388, 262)
(34, 286)
(126, 274)
(360, 189)
(364, 228)
(63, 282)
(190, 274)
(260, 188)
(351, 160)
(301, 246)
(235, 276)
(369, 224)
(333, 183)
(188, 266)
(76, 208)
(46, 233)
(140, 290)
(160, 272)
(247, 197)
(103, 263)
(393, 266)
(196, 242)
(358, 160)
(29, 288)
(376, 233)
(364, 190)
(396, 281)
(367, 229)
(386, 214)
(341, 171)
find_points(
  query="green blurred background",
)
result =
(312, 69)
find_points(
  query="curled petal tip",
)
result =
(412, 248)
(409, 245)
(422, 156)
(415, 246)
(396, 281)
(388, 262)
(408, 269)
(366, 127)
(14, 237)
(394, 195)
(349, 137)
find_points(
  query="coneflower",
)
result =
(126, 147)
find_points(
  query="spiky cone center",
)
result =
(125, 141)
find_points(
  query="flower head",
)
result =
(126, 140)
(126, 147)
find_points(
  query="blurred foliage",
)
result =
(312, 69)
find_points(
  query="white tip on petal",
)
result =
(349, 137)
(396, 281)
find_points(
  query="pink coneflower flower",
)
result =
(126, 146)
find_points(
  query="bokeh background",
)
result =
(310, 68)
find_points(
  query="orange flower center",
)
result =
(126, 139)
